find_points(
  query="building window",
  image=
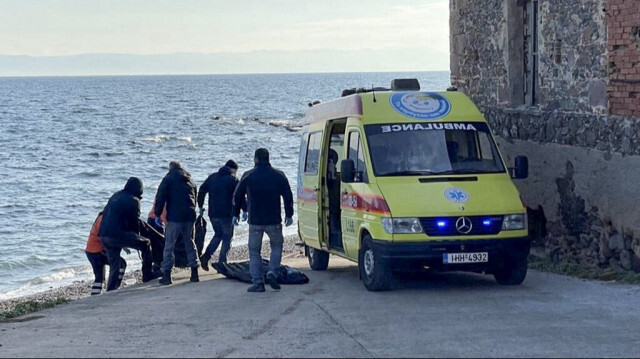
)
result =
(530, 51)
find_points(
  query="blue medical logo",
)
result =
(456, 195)
(420, 105)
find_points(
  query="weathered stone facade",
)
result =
(579, 125)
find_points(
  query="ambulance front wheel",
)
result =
(513, 274)
(318, 260)
(374, 271)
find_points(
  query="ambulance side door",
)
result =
(309, 194)
(351, 194)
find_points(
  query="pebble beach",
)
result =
(82, 288)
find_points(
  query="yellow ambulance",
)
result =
(400, 179)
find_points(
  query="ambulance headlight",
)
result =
(514, 222)
(401, 225)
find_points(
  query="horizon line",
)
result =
(223, 74)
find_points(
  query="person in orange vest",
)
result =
(157, 241)
(98, 258)
(151, 218)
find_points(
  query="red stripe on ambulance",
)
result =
(367, 203)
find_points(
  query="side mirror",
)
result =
(347, 171)
(521, 169)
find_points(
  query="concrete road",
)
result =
(436, 315)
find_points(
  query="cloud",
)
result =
(425, 25)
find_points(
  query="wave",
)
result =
(158, 138)
(89, 174)
(164, 138)
(286, 124)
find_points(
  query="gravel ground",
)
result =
(81, 289)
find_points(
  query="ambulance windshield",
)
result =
(420, 149)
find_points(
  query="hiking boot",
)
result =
(272, 281)
(204, 261)
(256, 288)
(166, 278)
(194, 275)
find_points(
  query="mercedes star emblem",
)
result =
(464, 225)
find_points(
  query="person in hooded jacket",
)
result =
(264, 186)
(220, 187)
(119, 229)
(178, 192)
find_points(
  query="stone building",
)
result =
(559, 81)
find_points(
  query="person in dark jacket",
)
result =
(178, 192)
(120, 228)
(264, 186)
(220, 187)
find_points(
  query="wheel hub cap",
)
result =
(368, 262)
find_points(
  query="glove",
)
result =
(288, 221)
(158, 222)
(245, 216)
(126, 250)
(235, 220)
(201, 211)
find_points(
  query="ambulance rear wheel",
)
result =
(374, 271)
(512, 275)
(318, 260)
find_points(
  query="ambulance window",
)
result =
(303, 149)
(313, 153)
(485, 146)
(357, 155)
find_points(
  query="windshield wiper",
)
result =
(407, 173)
(460, 171)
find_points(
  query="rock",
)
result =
(616, 242)
(625, 259)
(603, 260)
(636, 249)
(635, 264)
(615, 265)
(604, 248)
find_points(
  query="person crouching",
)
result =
(120, 228)
(98, 258)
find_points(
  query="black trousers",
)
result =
(149, 230)
(113, 246)
(98, 262)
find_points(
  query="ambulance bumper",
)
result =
(501, 252)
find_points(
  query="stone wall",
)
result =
(582, 135)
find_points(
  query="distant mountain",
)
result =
(419, 59)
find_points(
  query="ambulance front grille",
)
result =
(446, 226)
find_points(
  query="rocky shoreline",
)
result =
(82, 288)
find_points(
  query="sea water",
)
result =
(68, 143)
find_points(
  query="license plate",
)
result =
(452, 258)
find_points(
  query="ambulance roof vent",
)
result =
(405, 85)
(354, 90)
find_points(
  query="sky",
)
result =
(44, 28)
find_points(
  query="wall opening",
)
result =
(530, 51)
